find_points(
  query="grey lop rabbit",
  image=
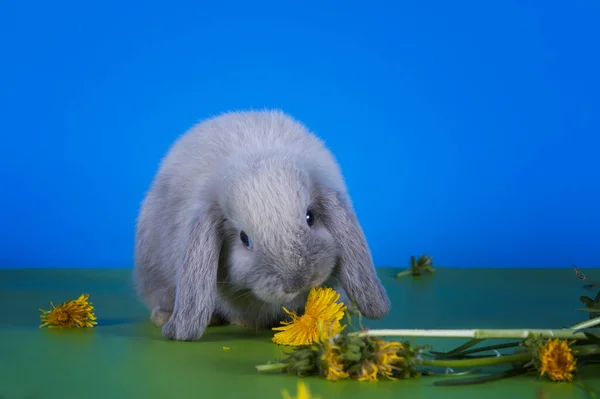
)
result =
(247, 212)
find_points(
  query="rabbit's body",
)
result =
(222, 233)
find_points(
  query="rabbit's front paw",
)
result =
(160, 317)
(178, 329)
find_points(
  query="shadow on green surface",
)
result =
(116, 322)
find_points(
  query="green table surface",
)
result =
(125, 356)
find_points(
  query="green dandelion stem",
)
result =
(475, 334)
(453, 374)
(404, 273)
(483, 361)
(465, 346)
(586, 324)
(454, 354)
(590, 310)
(271, 367)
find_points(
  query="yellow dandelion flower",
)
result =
(368, 371)
(76, 313)
(387, 356)
(321, 306)
(303, 392)
(325, 333)
(333, 365)
(557, 360)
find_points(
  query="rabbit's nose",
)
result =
(295, 283)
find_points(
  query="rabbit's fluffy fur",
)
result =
(260, 175)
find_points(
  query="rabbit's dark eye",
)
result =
(245, 239)
(310, 218)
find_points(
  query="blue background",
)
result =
(466, 129)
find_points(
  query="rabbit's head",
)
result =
(275, 236)
(279, 225)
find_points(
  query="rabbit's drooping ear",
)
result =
(196, 289)
(356, 270)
